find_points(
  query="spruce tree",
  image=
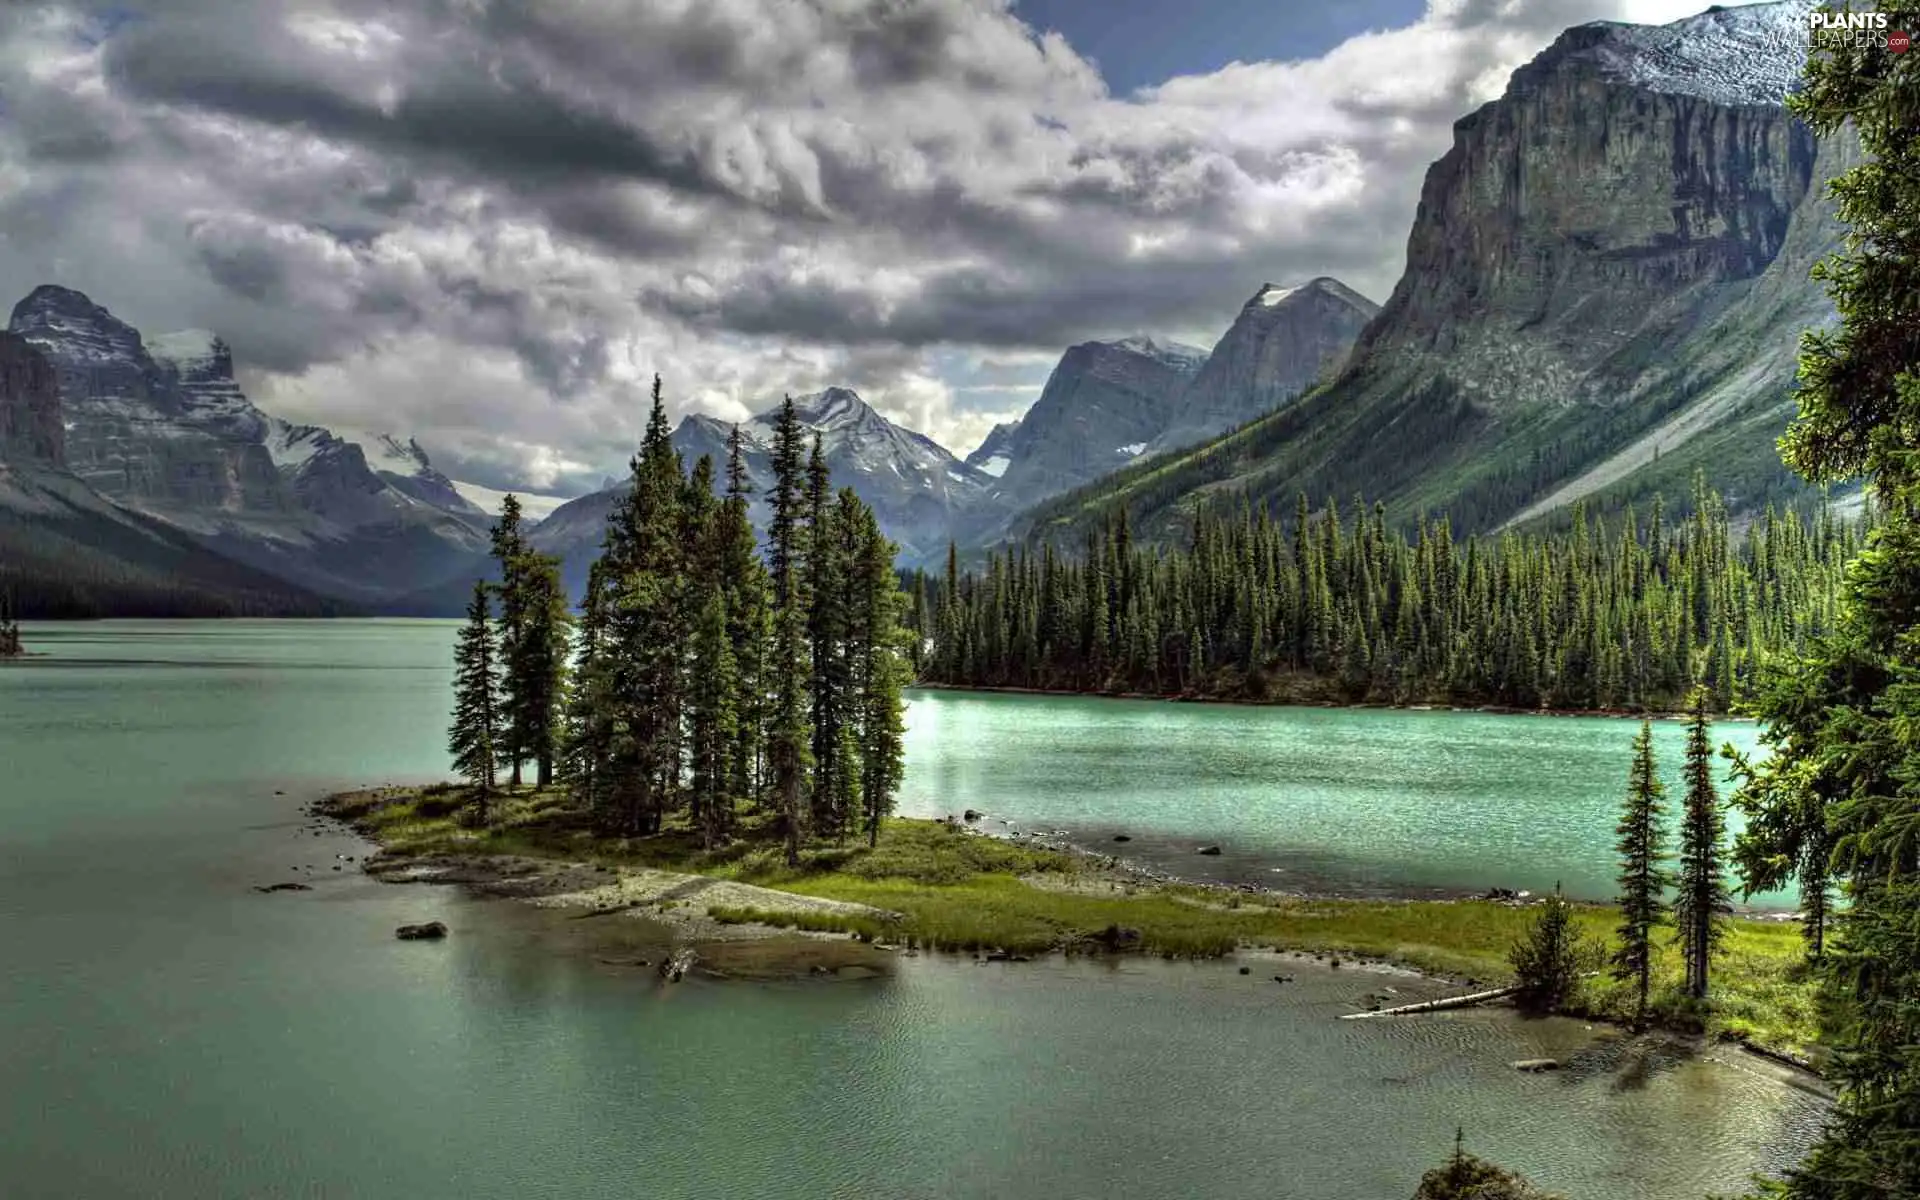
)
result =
(880, 648)
(1643, 876)
(509, 548)
(645, 574)
(588, 745)
(788, 734)
(712, 721)
(535, 674)
(1848, 768)
(1702, 899)
(1548, 956)
(473, 736)
(743, 581)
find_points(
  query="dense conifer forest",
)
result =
(1326, 607)
(701, 683)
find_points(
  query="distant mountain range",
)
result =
(155, 431)
(1604, 286)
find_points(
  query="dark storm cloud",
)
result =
(489, 221)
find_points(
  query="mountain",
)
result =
(920, 493)
(160, 426)
(993, 456)
(31, 428)
(67, 551)
(1101, 407)
(1605, 283)
(1284, 340)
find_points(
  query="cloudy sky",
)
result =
(487, 223)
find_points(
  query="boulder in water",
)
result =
(1211, 851)
(431, 931)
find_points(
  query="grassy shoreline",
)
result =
(930, 885)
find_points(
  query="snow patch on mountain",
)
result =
(995, 466)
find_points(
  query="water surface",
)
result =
(166, 1031)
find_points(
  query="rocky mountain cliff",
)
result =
(1282, 343)
(160, 426)
(1612, 255)
(920, 493)
(30, 425)
(1103, 405)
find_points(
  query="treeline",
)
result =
(1622, 616)
(701, 680)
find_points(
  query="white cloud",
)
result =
(488, 224)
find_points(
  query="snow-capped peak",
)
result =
(1174, 354)
(830, 409)
(1744, 54)
(385, 452)
(1272, 294)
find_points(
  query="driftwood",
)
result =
(675, 966)
(1427, 1006)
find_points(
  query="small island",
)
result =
(9, 631)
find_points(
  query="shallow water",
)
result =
(167, 1031)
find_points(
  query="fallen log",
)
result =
(1427, 1006)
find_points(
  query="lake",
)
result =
(166, 1031)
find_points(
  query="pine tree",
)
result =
(535, 676)
(473, 735)
(880, 650)
(788, 734)
(588, 747)
(1702, 900)
(712, 721)
(1643, 877)
(645, 574)
(743, 581)
(1548, 957)
(510, 555)
(1844, 768)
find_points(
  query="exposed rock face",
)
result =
(1103, 405)
(144, 431)
(1586, 222)
(359, 479)
(30, 419)
(161, 426)
(1283, 342)
(1610, 260)
(993, 456)
(920, 493)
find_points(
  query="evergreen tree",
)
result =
(788, 734)
(645, 574)
(476, 683)
(1702, 900)
(1845, 766)
(510, 555)
(1548, 958)
(1643, 877)
(881, 651)
(713, 721)
(536, 672)
(588, 748)
(743, 582)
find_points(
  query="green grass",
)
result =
(958, 891)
